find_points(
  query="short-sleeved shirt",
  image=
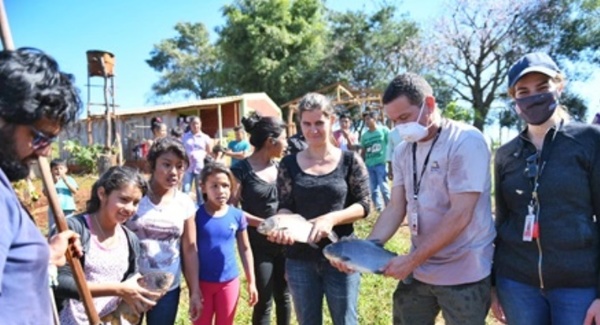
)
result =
(65, 198)
(258, 197)
(195, 146)
(238, 146)
(216, 238)
(159, 229)
(374, 143)
(459, 163)
(341, 140)
(24, 256)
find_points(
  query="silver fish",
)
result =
(154, 281)
(361, 255)
(296, 226)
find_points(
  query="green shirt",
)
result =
(374, 143)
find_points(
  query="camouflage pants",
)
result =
(419, 303)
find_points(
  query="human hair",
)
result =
(216, 168)
(58, 162)
(238, 128)
(155, 124)
(316, 101)
(344, 116)
(176, 132)
(164, 145)
(371, 114)
(262, 128)
(114, 179)
(32, 87)
(411, 85)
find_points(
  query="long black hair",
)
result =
(164, 145)
(113, 179)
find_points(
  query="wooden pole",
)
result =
(61, 223)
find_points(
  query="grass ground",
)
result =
(375, 298)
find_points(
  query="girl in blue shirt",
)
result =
(219, 226)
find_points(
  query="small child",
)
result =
(219, 226)
(66, 188)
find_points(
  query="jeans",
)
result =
(269, 269)
(165, 310)
(310, 280)
(378, 181)
(188, 179)
(419, 303)
(526, 304)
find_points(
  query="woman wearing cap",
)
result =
(547, 188)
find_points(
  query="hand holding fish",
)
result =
(322, 228)
(400, 267)
(137, 297)
(285, 229)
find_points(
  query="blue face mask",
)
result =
(537, 109)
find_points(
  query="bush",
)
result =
(85, 157)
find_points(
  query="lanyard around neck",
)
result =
(417, 184)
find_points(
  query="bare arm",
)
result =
(448, 229)
(71, 187)
(248, 262)
(391, 217)
(189, 251)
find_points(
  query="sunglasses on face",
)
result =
(40, 139)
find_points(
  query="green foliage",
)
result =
(458, 113)
(271, 46)
(367, 51)
(187, 63)
(84, 156)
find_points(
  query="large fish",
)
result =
(294, 224)
(154, 281)
(360, 255)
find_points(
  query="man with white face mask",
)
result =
(442, 185)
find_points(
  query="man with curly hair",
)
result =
(36, 101)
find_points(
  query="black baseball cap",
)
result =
(532, 62)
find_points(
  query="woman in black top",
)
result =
(257, 193)
(329, 188)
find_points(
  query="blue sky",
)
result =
(66, 29)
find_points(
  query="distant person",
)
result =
(158, 128)
(394, 139)
(197, 145)
(596, 119)
(374, 149)
(177, 133)
(164, 223)
(257, 194)
(344, 137)
(66, 189)
(296, 143)
(110, 250)
(239, 148)
(329, 188)
(219, 227)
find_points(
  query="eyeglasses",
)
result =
(531, 168)
(40, 139)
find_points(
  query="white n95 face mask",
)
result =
(413, 131)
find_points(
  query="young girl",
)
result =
(219, 225)
(110, 250)
(165, 225)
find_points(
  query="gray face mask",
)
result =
(537, 109)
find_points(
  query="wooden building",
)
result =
(132, 126)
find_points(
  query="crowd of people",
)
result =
(534, 259)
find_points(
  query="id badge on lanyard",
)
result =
(530, 229)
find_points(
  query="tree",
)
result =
(477, 43)
(187, 62)
(272, 46)
(367, 51)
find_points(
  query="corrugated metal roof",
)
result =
(208, 102)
